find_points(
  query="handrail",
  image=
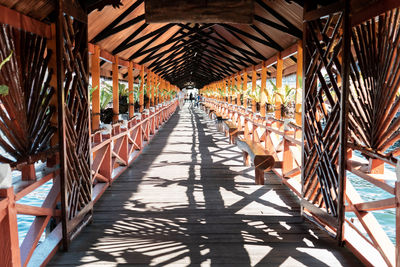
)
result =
(363, 235)
(117, 151)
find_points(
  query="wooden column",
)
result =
(245, 89)
(95, 71)
(9, 245)
(153, 90)
(229, 90)
(299, 81)
(130, 87)
(115, 89)
(343, 135)
(141, 97)
(51, 45)
(279, 73)
(148, 83)
(238, 85)
(263, 91)
(253, 88)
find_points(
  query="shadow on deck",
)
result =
(188, 200)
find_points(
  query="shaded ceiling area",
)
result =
(199, 53)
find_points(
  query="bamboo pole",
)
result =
(130, 87)
(115, 89)
(279, 73)
(299, 79)
(141, 97)
(95, 71)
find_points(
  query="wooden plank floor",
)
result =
(188, 200)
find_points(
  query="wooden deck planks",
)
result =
(188, 200)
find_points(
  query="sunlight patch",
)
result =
(257, 253)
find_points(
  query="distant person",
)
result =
(191, 98)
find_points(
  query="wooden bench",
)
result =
(231, 131)
(254, 153)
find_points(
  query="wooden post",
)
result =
(245, 89)
(148, 83)
(345, 73)
(9, 245)
(28, 172)
(229, 90)
(51, 45)
(376, 166)
(397, 197)
(263, 91)
(299, 83)
(279, 72)
(130, 87)
(115, 89)
(153, 90)
(150, 88)
(240, 90)
(141, 97)
(95, 71)
(253, 88)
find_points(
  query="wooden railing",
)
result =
(364, 235)
(112, 153)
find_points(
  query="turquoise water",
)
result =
(34, 198)
(369, 192)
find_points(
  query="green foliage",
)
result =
(221, 92)
(106, 95)
(254, 95)
(4, 88)
(287, 96)
(91, 90)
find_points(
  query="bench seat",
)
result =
(231, 131)
(255, 154)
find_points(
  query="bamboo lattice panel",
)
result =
(375, 80)
(25, 112)
(77, 180)
(322, 112)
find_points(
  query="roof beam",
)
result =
(290, 28)
(107, 31)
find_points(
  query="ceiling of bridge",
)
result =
(196, 52)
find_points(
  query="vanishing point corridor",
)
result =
(188, 200)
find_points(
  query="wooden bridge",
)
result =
(190, 201)
(296, 118)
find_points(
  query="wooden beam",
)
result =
(221, 11)
(95, 72)
(25, 23)
(293, 29)
(106, 31)
(115, 80)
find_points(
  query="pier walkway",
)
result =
(188, 200)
